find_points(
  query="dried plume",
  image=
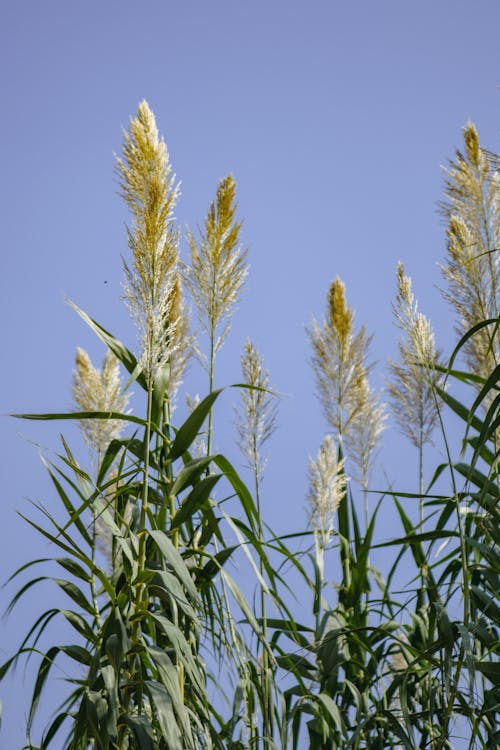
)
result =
(218, 265)
(413, 379)
(471, 270)
(367, 427)
(152, 284)
(181, 341)
(256, 417)
(99, 390)
(339, 363)
(327, 485)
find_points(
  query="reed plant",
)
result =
(156, 618)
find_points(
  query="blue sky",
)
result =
(335, 119)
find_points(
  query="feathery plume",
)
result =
(217, 272)
(471, 270)
(327, 485)
(338, 362)
(152, 282)
(99, 390)
(256, 418)
(413, 381)
(367, 427)
(180, 339)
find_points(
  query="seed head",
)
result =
(471, 138)
(218, 265)
(149, 190)
(367, 427)
(98, 390)
(339, 361)
(327, 485)
(256, 417)
(471, 269)
(340, 315)
(412, 386)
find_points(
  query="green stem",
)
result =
(267, 718)
(364, 482)
(97, 614)
(141, 589)
(211, 387)
(421, 479)
(145, 498)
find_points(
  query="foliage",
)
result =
(142, 554)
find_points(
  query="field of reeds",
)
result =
(171, 650)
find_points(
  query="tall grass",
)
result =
(143, 554)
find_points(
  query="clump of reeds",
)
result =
(360, 669)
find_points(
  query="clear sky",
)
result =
(335, 119)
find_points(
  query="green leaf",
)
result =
(490, 669)
(166, 718)
(191, 427)
(459, 409)
(332, 710)
(182, 649)
(296, 663)
(166, 585)
(486, 604)
(189, 474)
(70, 508)
(79, 624)
(471, 332)
(174, 559)
(72, 567)
(142, 731)
(53, 729)
(76, 594)
(43, 673)
(78, 653)
(23, 590)
(243, 604)
(119, 350)
(213, 566)
(169, 677)
(196, 499)
(160, 388)
(106, 415)
(240, 488)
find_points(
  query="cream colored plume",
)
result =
(99, 390)
(218, 268)
(472, 266)
(327, 485)
(367, 426)
(339, 362)
(413, 379)
(256, 417)
(152, 284)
